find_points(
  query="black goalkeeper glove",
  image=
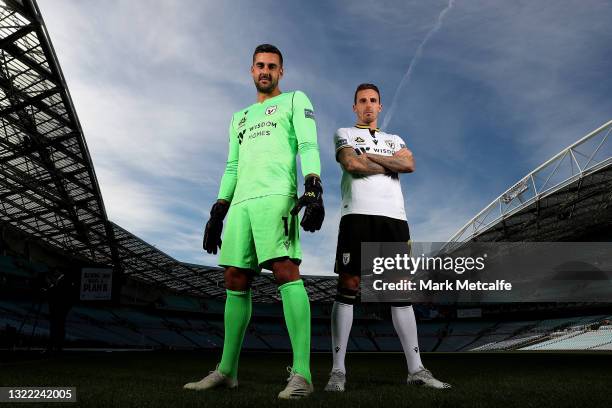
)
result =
(313, 201)
(212, 232)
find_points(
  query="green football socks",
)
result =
(296, 308)
(236, 318)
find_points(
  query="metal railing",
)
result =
(587, 155)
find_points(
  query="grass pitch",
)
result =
(154, 379)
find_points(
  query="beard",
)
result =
(266, 89)
(368, 119)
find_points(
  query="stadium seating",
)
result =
(507, 344)
(600, 339)
(139, 328)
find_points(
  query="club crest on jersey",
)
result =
(270, 110)
(346, 258)
(390, 144)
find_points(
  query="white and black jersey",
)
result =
(372, 206)
(376, 194)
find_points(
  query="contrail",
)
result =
(414, 61)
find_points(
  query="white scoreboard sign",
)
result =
(96, 283)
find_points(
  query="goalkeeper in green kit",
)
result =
(259, 195)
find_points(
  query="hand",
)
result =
(313, 201)
(214, 226)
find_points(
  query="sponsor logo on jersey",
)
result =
(271, 109)
(359, 140)
(346, 258)
(253, 135)
(383, 151)
(266, 123)
(243, 120)
(309, 114)
(341, 142)
(390, 144)
(262, 126)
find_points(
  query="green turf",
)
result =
(154, 379)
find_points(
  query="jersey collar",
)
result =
(360, 126)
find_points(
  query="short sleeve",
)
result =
(341, 140)
(399, 144)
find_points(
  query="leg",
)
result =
(296, 308)
(405, 326)
(342, 317)
(341, 322)
(353, 229)
(404, 323)
(402, 314)
(236, 317)
(277, 242)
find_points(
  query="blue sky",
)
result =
(498, 89)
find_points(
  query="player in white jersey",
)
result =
(372, 211)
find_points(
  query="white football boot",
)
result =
(426, 379)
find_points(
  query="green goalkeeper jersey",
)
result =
(264, 139)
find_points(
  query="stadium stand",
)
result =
(600, 339)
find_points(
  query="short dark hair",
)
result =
(361, 87)
(261, 48)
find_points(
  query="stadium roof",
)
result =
(48, 186)
(563, 199)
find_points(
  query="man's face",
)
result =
(367, 106)
(266, 71)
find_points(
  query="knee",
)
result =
(237, 279)
(349, 282)
(347, 290)
(285, 272)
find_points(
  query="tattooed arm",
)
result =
(359, 164)
(401, 162)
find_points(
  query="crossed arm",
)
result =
(366, 164)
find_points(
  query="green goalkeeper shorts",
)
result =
(260, 230)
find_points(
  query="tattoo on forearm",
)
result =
(375, 167)
(361, 165)
(390, 162)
